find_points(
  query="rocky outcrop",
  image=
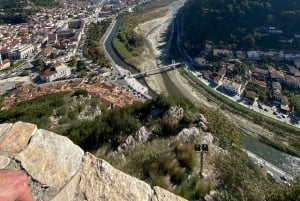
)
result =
(17, 137)
(112, 183)
(51, 159)
(173, 116)
(59, 170)
(187, 134)
(201, 122)
(140, 137)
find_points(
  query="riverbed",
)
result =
(172, 83)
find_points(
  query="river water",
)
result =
(284, 161)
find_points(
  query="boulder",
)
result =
(200, 118)
(111, 184)
(207, 138)
(51, 159)
(172, 117)
(186, 134)
(4, 128)
(70, 191)
(142, 135)
(130, 141)
(16, 139)
(161, 194)
(122, 147)
(202, 125)
(4, 162)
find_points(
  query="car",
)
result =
(283, 178)
(265, 109)
(275, 113)
(270, 173)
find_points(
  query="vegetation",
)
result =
(39, 110)
(127, 42)
(282, 129)
(243, 24)
(92, 134)
(15, 11)
(92, 49)
(170, 165)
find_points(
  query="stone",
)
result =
(51, 159)
(207, 138)
(142, 135)
(4, 162)
(161, 194)
(202, 125)
(100, 181)
(69, 191)
(186, 134)
(130, 141)
(16, 139)
(4, 128)
(122, 147)
(173, 116)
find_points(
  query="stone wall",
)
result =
(59, 170)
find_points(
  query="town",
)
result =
(39, 52)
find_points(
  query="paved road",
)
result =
(272, 170)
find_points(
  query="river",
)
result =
(286, 162)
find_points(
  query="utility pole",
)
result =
(202, 148)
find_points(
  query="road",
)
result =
(272, 170)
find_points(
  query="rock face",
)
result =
(161, 194)
(140, 137)
(60, 171)
(173, 116)
(4, 128)
(4, 161)
(111, 183)
(51, 159)
(16, 139)
(186, 134)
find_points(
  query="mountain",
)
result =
(242, 23)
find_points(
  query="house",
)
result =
(257, 72)
(232, 86)
(259, 83)
(292, 82)
(217, 80)
(19, 52)
(276, 75)
(4, 64)
(284, 105)
(253, 54)
(250, 95)
(276, 86)
(222, 52)
(294, 71)
(58, 71)
(47, 51)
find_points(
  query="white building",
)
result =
(232, 86)
(58, 71)
(19, 52)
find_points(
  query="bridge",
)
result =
(154, 71)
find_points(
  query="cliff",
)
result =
(60, 170)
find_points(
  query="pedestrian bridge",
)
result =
(159, 70)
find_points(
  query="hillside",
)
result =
(153, 141)
(17, 11)
(242, 24)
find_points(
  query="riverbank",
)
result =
(174, 84)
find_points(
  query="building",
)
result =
(232, 86)
(58, 71)
(4, 64)
(276, 86)
(19, 52)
